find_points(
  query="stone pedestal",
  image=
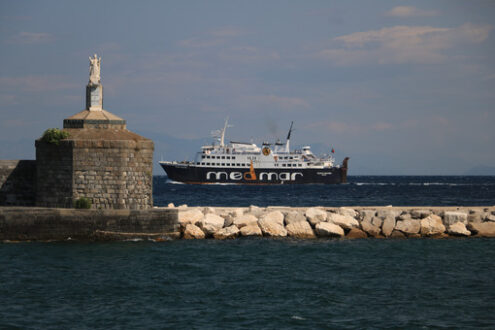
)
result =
(100, 160)
(94, 97)
(113, 168)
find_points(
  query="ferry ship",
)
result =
(247, 163)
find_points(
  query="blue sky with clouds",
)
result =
(402, 87)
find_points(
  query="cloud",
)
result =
(201, 42)
(212, 38)
(34, 84)
(32, 38)
(407, 11)
(286, 103)
(248, 54)
(402, 44)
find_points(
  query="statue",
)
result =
(94, 70)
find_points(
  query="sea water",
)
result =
(263, 283)
(249, 284)
(360, 190)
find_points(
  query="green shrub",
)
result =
(83, 203)
(54, 135)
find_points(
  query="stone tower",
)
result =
(100, 160)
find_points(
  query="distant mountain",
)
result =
(481, 170)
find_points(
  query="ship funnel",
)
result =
(287, 144)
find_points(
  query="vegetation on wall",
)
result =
(54, 135)
(82, 203)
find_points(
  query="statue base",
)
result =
(94, 97)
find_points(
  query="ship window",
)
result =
(238, 164)
(207, 163)
(208, 157)
(283, 165)
(233, 157)
(299, 165)
(223, 157)
(203, 156)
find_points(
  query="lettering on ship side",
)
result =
(251, 176)
(324, 173)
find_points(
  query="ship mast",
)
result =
(222, 136)
(287, 144)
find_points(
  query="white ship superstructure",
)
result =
(241, 154)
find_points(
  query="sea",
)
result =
(261, 283)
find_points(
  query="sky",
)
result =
(401, 87)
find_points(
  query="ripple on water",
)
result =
(249, 283)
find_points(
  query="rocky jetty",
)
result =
(343, 222)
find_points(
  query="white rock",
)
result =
(347, 211)
(327, 229)
(367, 214)
(300, 229)
(315, 215)
(229, 220)
(274, 216)
(272, 227)
(170, 205)
(211, 223)
(183, 206)
(490, 217)
(377, 221)
(237, 212)
(294, 216)
(227, 232)
(251, 230)
(405, 216)
(369, 228)
(484, 229)
(458, 229)
(193, 232)
(343, 221)
(383, 213)
(420, 214)
(256, 211)
(408, 226)
(193, 216)
(245, 220)
(431, 225)
(388, 226)
(209, 210)
(451, 217)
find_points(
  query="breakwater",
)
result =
(327, 222)
(46, 224)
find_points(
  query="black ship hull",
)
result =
(192, 174)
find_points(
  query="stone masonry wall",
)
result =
(54, 174)
(17, 182)
(37, 223)
(114, 174)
